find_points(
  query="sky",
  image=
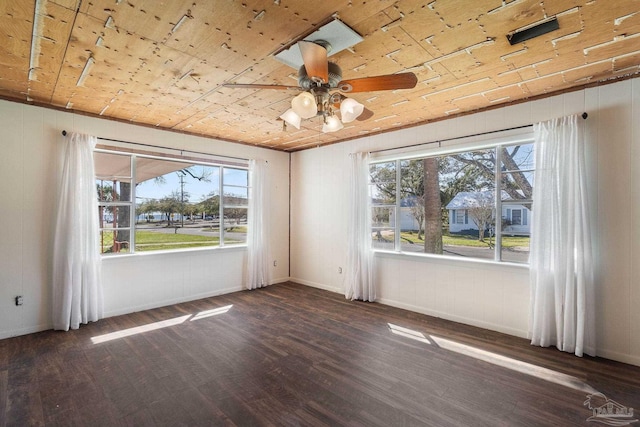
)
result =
(197, 190)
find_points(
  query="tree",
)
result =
(474, 171)
(170, 205)
(178, 201)
(482, 164)
(105, 194)
(481, 211)
(122, 217)
(235, 215)
(190, 210)
(417, 211)
(432, 207)
(517, 180)
(434, 182)
(147, 208)
(108, 192)
(458, 177)
(209, 204)
(383, 177)
(422, 186)
(412, 190)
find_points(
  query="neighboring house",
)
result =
(408, 221)
(516, 218)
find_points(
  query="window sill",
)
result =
(447, 259)
(175, 252)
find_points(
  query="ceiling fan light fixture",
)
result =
(304, 105)
(332, 124)
(350, 109)
(291, 118)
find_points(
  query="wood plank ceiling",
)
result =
(146, 71)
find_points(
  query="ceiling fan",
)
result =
(322, 86)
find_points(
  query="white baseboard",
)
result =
(25, 331)
(316, 285)
(454, 318)
(422, 310)
(157, 304)
(620, 357)
(127, 310)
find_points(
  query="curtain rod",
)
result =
(64, 133)
(584, 116)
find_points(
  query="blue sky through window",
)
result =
(196, 189)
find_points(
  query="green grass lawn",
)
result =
(150, 241)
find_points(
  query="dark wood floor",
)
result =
(294, 355)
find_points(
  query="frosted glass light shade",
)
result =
(350, 109)
(332, 124)
(305, 105)
(291, 118)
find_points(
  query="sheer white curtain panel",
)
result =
(359, 274)
(561, 261)
(77, 286)
(258, 220)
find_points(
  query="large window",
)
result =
(154, 204)
(472, 204)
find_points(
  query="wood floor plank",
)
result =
(294, 355)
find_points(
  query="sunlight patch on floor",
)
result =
(497, 359)
(212, 312)
(159, 325)
(139, 329)
(408, 333)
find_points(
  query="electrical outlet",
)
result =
(339, 270)
(275, 263)
(19, 300)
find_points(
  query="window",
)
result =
(516, 217)
(447, 204)
(154, 204)
(383, 200)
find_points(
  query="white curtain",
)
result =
(561, 260)
(77, 287)
(258, 221)
(359, 281)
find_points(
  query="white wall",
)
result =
(30, 148)
(480, 293)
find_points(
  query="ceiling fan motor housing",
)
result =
(306, 82)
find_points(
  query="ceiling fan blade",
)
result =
(366, 115)
(386, 82)
(315, 61)
(258, 86)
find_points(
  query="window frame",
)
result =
(461, 216)
(498, 139)
(216, 161)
